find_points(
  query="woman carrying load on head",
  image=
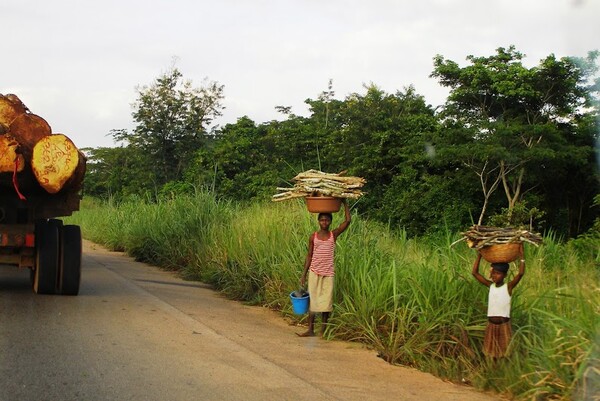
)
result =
(320, 270)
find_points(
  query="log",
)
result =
(46, 163)
(10, 108)
(57, 163)
(28, 129)
(9, 155)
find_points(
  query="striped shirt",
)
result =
(322, 258)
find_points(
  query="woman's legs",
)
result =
(311, 325)
(324, 319)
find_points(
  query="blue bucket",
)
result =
(300, 304)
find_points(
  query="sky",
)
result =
(78, 63)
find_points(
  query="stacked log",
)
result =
(10, 158)
(10, 108)
(31, 156)
(29, 129)
(317, 183)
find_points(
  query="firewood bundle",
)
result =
(29, 148)
(317, 183)
(478, 237)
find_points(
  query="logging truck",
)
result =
(41, 178)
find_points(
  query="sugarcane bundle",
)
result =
(314, 183)
(28, 146)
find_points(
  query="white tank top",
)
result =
(499, 301)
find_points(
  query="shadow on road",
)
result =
(14, 280)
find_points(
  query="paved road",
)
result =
(138, 333)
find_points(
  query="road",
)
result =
(138, 333)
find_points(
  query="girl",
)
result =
(498, 331)
(320, 269)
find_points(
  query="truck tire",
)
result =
(46, 255)
(69, 276)
(55, 222)
(38, 235)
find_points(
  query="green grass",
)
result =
(412, 300)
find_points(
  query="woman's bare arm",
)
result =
(346, 222)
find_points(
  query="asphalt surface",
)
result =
(138, 333)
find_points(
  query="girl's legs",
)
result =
(311, 325)
(324, 319)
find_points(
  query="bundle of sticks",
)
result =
(479, 236)
(318, 183)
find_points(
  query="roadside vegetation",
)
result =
(512, 142)
(513, 145)
(412, 299)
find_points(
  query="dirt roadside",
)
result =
(345, 371)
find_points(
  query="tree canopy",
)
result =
(527, 125)
(172, 118)
(512, 144)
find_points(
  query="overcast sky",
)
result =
(77, 63)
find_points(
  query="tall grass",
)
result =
(413, 300)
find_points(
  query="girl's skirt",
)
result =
(320, 289)
(497, 338)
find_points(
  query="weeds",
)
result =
(412, 300)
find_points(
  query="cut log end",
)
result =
(55, 161)
(29, 128)
(9, 155)
(10, 108)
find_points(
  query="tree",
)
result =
(172, 119)
(239, 163)
(517, 117)
(376, 135)
(114, 172)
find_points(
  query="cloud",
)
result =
(77, 64)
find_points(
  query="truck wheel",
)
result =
(70, 260)
(55, 222)
(39, 224)
(44, 279)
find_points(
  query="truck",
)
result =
(41, 180)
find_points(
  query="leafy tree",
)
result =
(246, 160)
(114, 172)
(518, 118)
(295, 143)
(377, 135)
(172, 117)
(237, 164)
(528, 132)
